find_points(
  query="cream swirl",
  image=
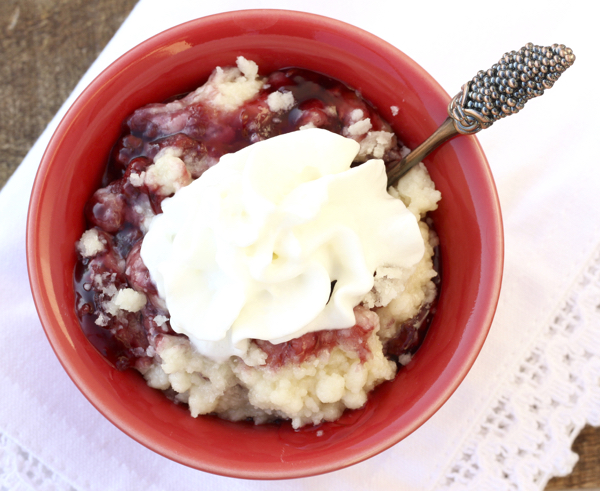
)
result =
(277, 240)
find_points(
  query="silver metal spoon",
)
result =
(491, 95)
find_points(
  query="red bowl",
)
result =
(468, 222)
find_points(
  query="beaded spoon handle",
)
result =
(492, 95)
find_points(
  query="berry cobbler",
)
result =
(244, 255)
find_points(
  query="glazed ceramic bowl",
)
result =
(468, 222)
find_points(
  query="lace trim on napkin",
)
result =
(21, 471)
(524, 438)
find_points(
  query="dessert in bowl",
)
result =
(467, 222)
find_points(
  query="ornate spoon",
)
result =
(492, 95)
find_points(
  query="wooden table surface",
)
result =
(45, 48)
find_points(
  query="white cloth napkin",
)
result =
(535, 384)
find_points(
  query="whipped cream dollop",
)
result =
(279, 239)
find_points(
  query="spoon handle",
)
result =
(491, 95)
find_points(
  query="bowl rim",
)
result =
(60, 343)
